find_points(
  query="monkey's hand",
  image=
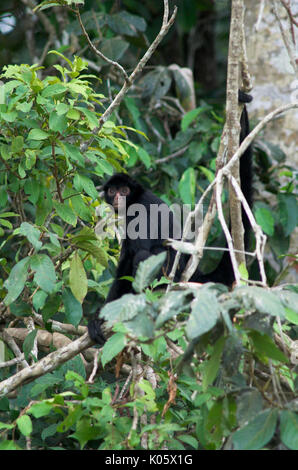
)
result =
(95, 331)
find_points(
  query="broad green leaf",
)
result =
(62, 108)
(9, 117)
(39, 299)
(260, 299)
(289, 429)
(77, 278)
(86, 185)
(90, 116)
(257, 433)
(65, 212)
(17, 144)
(30, 159)
(37, 134)
(288, 212)
(51, 307)
(190, 440)
(115, 344)
(16, 280)
(171, 304)
(125, 23)
(266, 348)
(81, 209)
(73, 114)
(57, 122)
(95, 251)
(123, 309)
(148, 270)
(141, 325)
(53, 90)
(211, 367)
(113, 48)
(187, 186)
(144, 157)
(28, 343)
(204, 315)
(189, 117)
(249, 404)
(40, 409)
(6, 425)
(86, 234)
(265, 219)
(19, 308)
(45, 276)
(25, 425)
(73, 308)
(32, 234)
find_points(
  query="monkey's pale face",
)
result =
(116, 195)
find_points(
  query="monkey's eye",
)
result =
(124, 191)
(112, 191)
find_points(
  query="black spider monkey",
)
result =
(121, 187)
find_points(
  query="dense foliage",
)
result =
(218, 368)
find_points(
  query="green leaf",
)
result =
(141, 325)
(77, 278)
(9, 117)
(51, 307)
(190, 440)
(265, 347)
(39, 299)
(126, 23)
(95, 251)
(73, 308)
(187, 186)
(257, 433)
(148, 270)
(288, 212)
(265, 219)
(38, 410)
(91, 117)
(57, 122)
(86, 185)
(123, 309)
(37, 134)
(45, 276)
(211, 367)
(289, 429)
(53, 90)
(249, 405)
(189, 117)
(65, 212)
(112, 347)
(25, 425)
(28, 343)
(17, 144)
(204, 315)
(171, 304)
(113, 48)
(73, 153)
(19, 308)
(31, 233)
(16, 280)
(260, 299)
(144, 157)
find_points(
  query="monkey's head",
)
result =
(120, 189)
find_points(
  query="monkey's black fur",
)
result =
(134, 251)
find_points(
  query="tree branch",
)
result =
(166, 24)
(45, 365)
(225, 171)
